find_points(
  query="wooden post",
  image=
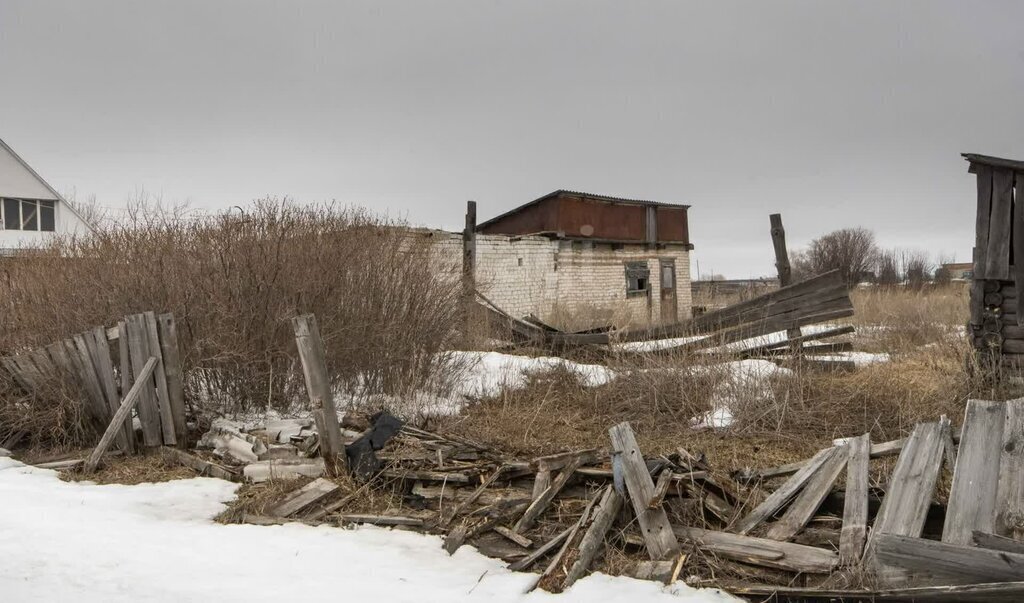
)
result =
(469, 250)
(318, 386)
(129, 402)
(785, 271)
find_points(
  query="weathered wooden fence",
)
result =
(85, 361)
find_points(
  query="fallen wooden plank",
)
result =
(381, 520)
(776, 500)
(62, 465)
(203, 467)
(761, 551)
(476, 494)
(130, 400)
(811, 497)
(906, 502)
(426, 476)
(998, 543)
(593, 539)
(555, 462)
(544, 549)
(1010, 492)
(305, 496)
(654, 524)
(519, 539)
(541, 503)
(972, 496)
(855, 505)
(1007, 592)
(556, 561)
(950, 563)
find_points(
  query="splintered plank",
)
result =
(541, 503)
(855, 507)
(998, 543)
(660, 489)
(593, 539)
(318, 386)
(305, 496)
(654, 524)
(948, 563)
(1010, 492)
(786, 491)
(761, 551)
(905, 506)
(972, 496)
(997, 260)
(813, 494)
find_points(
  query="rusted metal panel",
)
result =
(532, 218)
(673, 225)
(584, 216)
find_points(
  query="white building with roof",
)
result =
(31, 211)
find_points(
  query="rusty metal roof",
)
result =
(604, 198)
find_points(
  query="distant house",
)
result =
(31, 211)
(959, 271)
(579, 260)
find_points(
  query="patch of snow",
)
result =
(657, 344)
(490, 372)
(78, 541)
(859, 358)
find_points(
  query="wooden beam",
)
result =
(593, 540)
(541, 503)
(810, 498)
(855, 505)
(130, 400)
(318, 386)
(972, 495)
(948, 563)
(654, 524)
(761, 551)
(776, 500)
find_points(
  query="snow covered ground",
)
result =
(155, 542)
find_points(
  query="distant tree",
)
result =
(942, 274)
(887, 270)
(917, 266)
(851, 251)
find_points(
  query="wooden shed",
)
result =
(997, 328)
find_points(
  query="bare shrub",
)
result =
(233, 281)
(917, 267)
(887, 268)
(851, 251)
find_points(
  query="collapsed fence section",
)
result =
(85, 363)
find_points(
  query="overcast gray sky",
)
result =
(835, 114)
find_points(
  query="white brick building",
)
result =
(578, 261)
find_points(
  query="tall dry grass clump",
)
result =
(901, 318)
(385, 304)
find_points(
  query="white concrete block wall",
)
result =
(569, 286)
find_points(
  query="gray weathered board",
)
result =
(972, 496)
(654, 524)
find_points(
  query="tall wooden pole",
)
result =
(785, 271)
(318, 386)
(469, 268)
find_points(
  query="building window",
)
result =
(638, 279)
(28, 214)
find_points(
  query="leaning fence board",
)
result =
(811, 497)
(160, 376)
(305, 496)
(1010, 492)
(972, 496)
(905, 506)
(761, 551)
(168, 335)
(130, 400)
(138, 350)
(785, 492)
(855, 505)
(950, 563)
(654, 524)
(99, 351)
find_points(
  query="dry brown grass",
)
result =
(385, 303)
(131, 470)
(898, 319)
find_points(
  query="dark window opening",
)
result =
(47, 216)
(29, 215)
(12, 214)
(638, 278)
